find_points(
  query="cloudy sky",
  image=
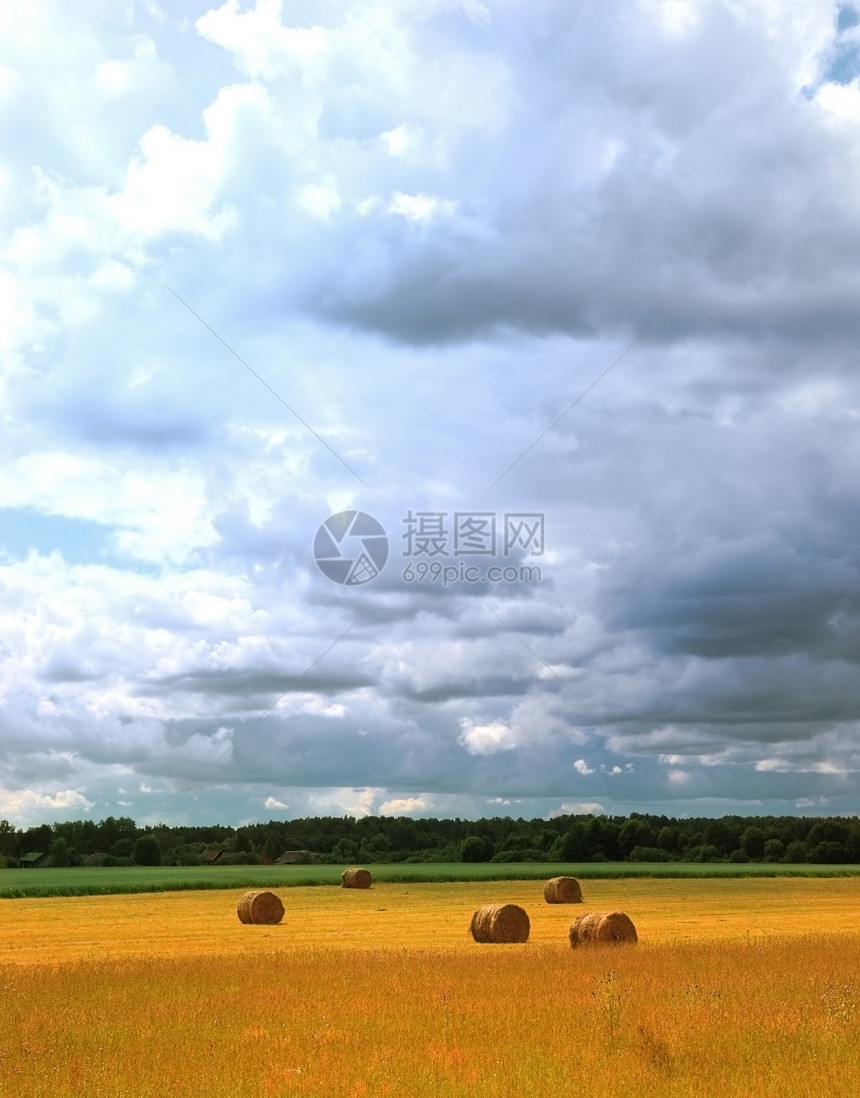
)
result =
(267, 262)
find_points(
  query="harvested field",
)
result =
(756, 995)
(420, 916)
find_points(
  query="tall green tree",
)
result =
(146, 851)
(59, 853)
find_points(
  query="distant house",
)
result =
(212, 855)
(299, 857)
(95, 859)
(36, 860)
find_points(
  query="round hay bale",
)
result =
(562, 890)
(500, 923)
(602, 928)
(356, 878)
(260, 907)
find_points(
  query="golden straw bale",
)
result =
(500, 923)
(562, 890)
(602, 928)
(260, 907)
(356, 878)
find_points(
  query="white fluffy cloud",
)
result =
(32, 806)
(486, 739)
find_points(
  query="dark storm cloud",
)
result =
(255, 686)
(609, 184)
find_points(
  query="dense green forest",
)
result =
(634, 838)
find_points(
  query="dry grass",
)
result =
(728, 993)
(562, 890)
(734, 1020)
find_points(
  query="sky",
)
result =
(429, 407)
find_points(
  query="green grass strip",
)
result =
(102, 881)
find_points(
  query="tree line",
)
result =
(343, 839)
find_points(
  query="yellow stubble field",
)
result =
(746, 987)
